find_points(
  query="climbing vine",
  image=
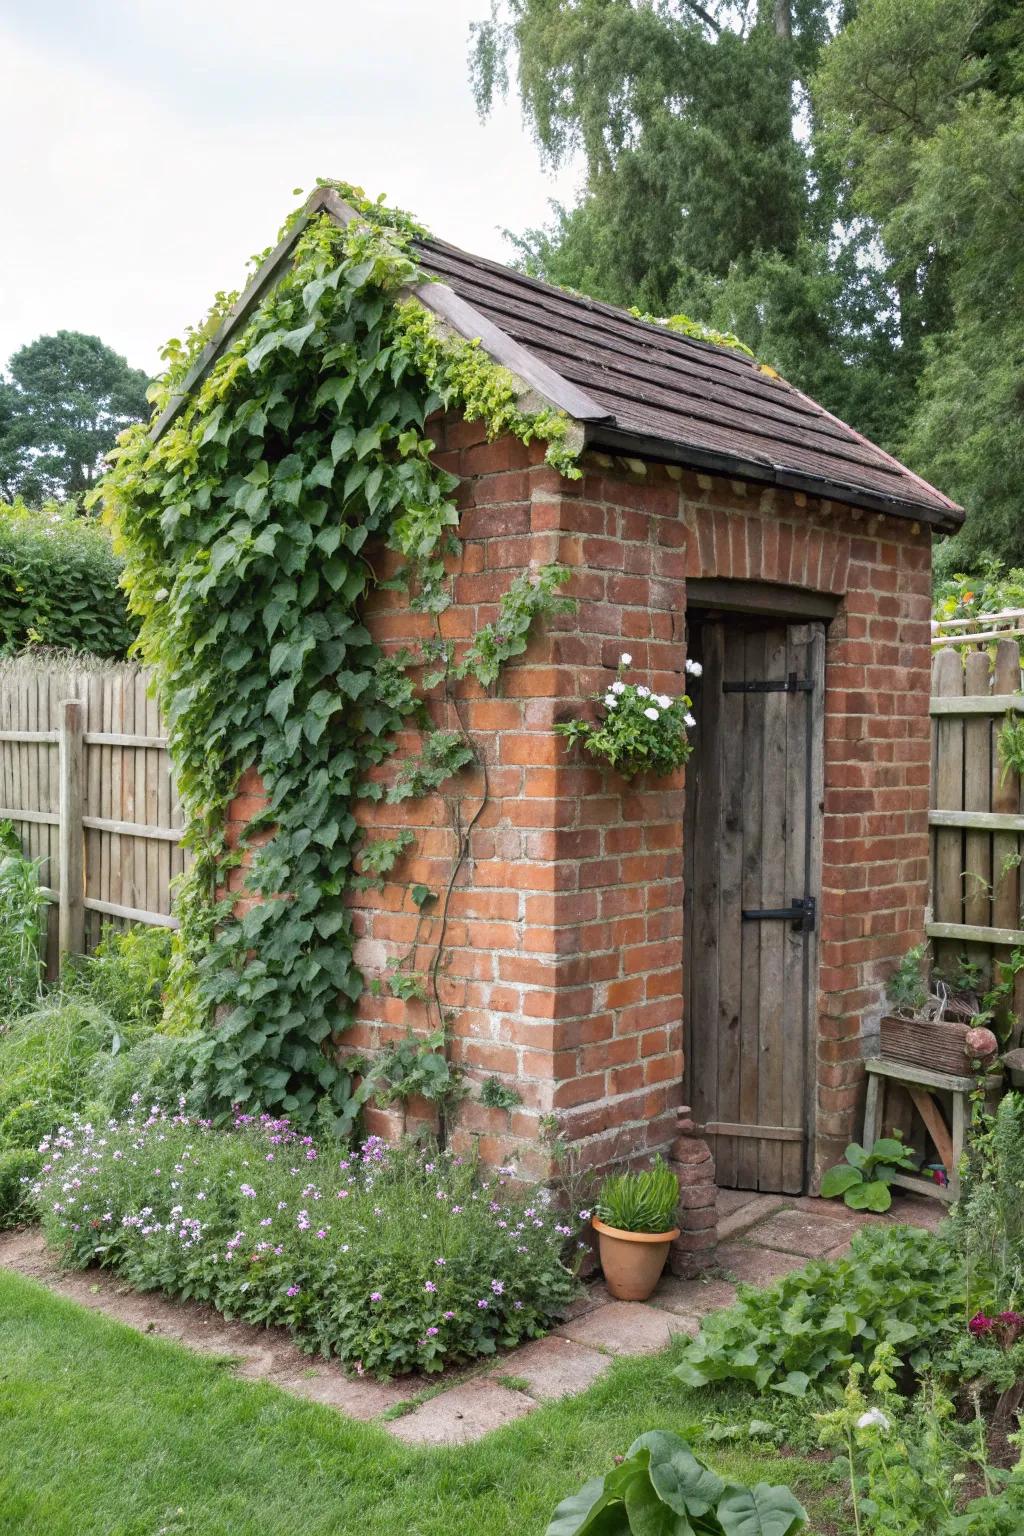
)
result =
(250, 529)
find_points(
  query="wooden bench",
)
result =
(922, 1084)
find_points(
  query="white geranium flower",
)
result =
(642, 692)
(689, 720)
(618, 686)
(625, 659)
(664, 700)
(693, 667)
(873, 1418)
(610, 701)
(652, 714)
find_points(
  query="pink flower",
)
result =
(376, 1296)
(293, 1290)
(430, 1286)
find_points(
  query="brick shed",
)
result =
(617, 950)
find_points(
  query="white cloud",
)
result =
(159, 147)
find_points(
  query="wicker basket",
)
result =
(926, 1043)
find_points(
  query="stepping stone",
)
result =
(629, 1328)
(811, 1236)
(462, 1414)
(730, 1200)
(595, 1294)
(553, 1367)
(693, 1298)
(748, 1214)
(756, 1266)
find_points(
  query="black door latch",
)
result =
(800, 912)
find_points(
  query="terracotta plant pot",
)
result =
(632, 1261)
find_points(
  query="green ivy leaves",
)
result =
(244, 529)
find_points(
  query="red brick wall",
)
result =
(563, 950)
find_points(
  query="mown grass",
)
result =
(104, 1432)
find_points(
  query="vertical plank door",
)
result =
(753, 852)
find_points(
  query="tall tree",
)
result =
(66, 399)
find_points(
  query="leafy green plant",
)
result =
(660, 1488)
(21, 911)
(645, 1201)
(18, 1167)
(494, 1094)
(899, 1286)
(158, 1069)
(906, 988)
(865, 1177)
(59, 582)
(532, 596)
(987, 1224)
(393, 1258)
(641, 731)
(416, 1064)
(1010, 745)
(125, 975)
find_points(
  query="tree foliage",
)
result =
(66, 399)
(838, 184)
(59, 583)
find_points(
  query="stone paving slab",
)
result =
(595, 1294)
(553, 1367)
(799, 1232)
(627, 1328)
(748, 1215)
(461, 1414)
(756, 1266)
(693, 1298)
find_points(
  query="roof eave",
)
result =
(665, 451)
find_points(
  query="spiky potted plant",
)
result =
(634, 1220)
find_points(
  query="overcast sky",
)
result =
(151, 148)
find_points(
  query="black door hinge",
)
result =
(790, 684)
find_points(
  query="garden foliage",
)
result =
(392, 1258)
(21, 917)
(900, 1286)
(644, 1201)
(640, 731)
(660, 1488)
(254, 529)
(59, 583)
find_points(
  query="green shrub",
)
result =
(59, 583)
(392, 1258)
(988, 1221)
(899, 1286)
(125, 975)
(158, 1069)
(21, 916)
(18, 1167)
(640, 1202)
(660, 1488)
(45, 1058)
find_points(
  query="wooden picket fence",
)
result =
(976, 817)
(85, 776)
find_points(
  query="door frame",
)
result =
(714, 598)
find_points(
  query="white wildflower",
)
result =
(618, 686)
(625, 659)
(689, 720)
(652, 714)
(664, 700)
(610, 701)
(872, 1419)
(642, 692)
(693, 667)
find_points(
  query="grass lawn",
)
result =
(104, 1432)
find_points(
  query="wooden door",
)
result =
(752, 838)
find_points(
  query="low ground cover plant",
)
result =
(392, 1258)
(900, 1286)
(865, 1177)
(21, 916)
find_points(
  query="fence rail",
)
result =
(85, 776)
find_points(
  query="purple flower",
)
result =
(293, 1290)
(376, 1296)
(979, 1323)
(482, 1303)
(448, 1316)
(431, 1333)
(440, 1262)
(497, 1286)
(430, 1286)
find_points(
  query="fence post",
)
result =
(72, 836)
